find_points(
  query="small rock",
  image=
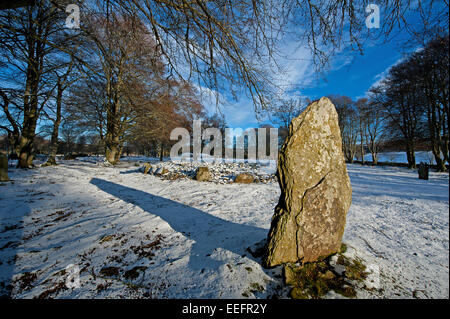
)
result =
(134, 273)
(106, 238)
(289, 275)
(244, 178)
(203, 174)
(70, 156)
(110, 271)
(148, 168)
(298, 293)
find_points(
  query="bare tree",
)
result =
(404, 104)
(173, 106)
(27, 39)
(348, 123)
(414, 96)
(124, 65)
(229, 44)
(287, 110)
(70, 131)
(373, 117)
(362, 126)
(433, 77)
(63, 81)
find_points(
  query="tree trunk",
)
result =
(362, 153)
(54, 140)
(445, 141)
(114, 131)
(161, 152)
(410, 154)
(445, 150)
(113, 151)
(13, 141)
(3, 168)
(113, 142)
(440, 164)
(13, 138)
(374, 158)
(25, 151)
(30, 105)
(361, 141)
(434, 131)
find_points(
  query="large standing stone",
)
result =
(3, 168)
(309, 219)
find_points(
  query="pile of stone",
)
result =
(222, 173)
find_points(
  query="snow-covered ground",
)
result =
(400, 157)
(135, 235)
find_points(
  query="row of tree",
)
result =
(107, 83)
(361, 124)
(414, 97)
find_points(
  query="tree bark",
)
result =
(55, 133)
(434, 128)
(35, 54)
(113, 153)
(3, 168)
(113, 144)
(410, 154)
(374, 155)
(161, 152)
(362, 153)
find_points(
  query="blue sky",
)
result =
(357, 76)
(350, 73)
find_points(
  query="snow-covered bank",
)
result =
(400, 157)
(136, 235)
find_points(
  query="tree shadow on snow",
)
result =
(11, 233)
(207, 231)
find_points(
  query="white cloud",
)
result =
(293, 72)
(238, 113)
(296, 68)
(377, 79)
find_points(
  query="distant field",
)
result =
(400, 157)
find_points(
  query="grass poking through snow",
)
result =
(316, 279)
